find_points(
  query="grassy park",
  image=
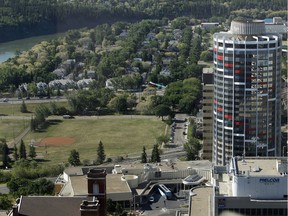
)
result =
(13, 109)
(120, 136)
(10, 128)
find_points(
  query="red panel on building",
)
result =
(228, 116)
(220, 57)
(229, 65)
(220, 109)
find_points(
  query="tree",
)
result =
(206, 56)
(144, 156)
(162, 139)
(23, 107)
(183, 95)
(111, 206)
(119, 103)
(32, 153)
(4, 152)
(155, 157)
(42, 186)
(22, 186)
(22, 150)
(192, 148)
(5, 202)
(162, 110)
(41, 112)
(74, 158)
(119, 210)
(16, 155)
(33, 124)
(19, 186)
(100, 153)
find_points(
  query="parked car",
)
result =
(68, 117)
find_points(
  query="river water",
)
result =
(8, 49)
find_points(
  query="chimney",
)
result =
(96, 182)
(89, 208)
(15, 210)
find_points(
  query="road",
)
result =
(181, 125)
(33, 100)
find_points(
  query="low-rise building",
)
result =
(87, 201)
(208, 26)
(251, 186)
(126, 181)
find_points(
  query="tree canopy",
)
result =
(27, 18)
(74, 158)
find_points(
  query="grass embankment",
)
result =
(120, 137)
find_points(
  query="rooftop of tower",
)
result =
(247, 27)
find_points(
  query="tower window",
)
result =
(95, 189)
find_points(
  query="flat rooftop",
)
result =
(167, 165)
(262, 167)
(201, 201)
(51, 205)
(113, 184)
(257, 167)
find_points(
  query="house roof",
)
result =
(50, 205)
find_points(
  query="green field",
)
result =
(11, 109)
(120, 137)
(10, 128)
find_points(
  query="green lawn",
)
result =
(120, 136)
(10, 128)
(11, 109)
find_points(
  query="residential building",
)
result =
(208, 26)
(247, 92)
(207, 107)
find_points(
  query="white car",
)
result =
(5, 100)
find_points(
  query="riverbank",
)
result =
(9, 49)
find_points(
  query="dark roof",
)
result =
(50, 205)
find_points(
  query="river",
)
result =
(8, 49)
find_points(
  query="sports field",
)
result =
(120, 136)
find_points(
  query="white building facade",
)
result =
(255, 186)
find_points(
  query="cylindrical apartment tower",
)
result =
(247, 92)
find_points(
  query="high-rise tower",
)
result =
(207, 102)
(247, 92)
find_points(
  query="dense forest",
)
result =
(25, 18)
